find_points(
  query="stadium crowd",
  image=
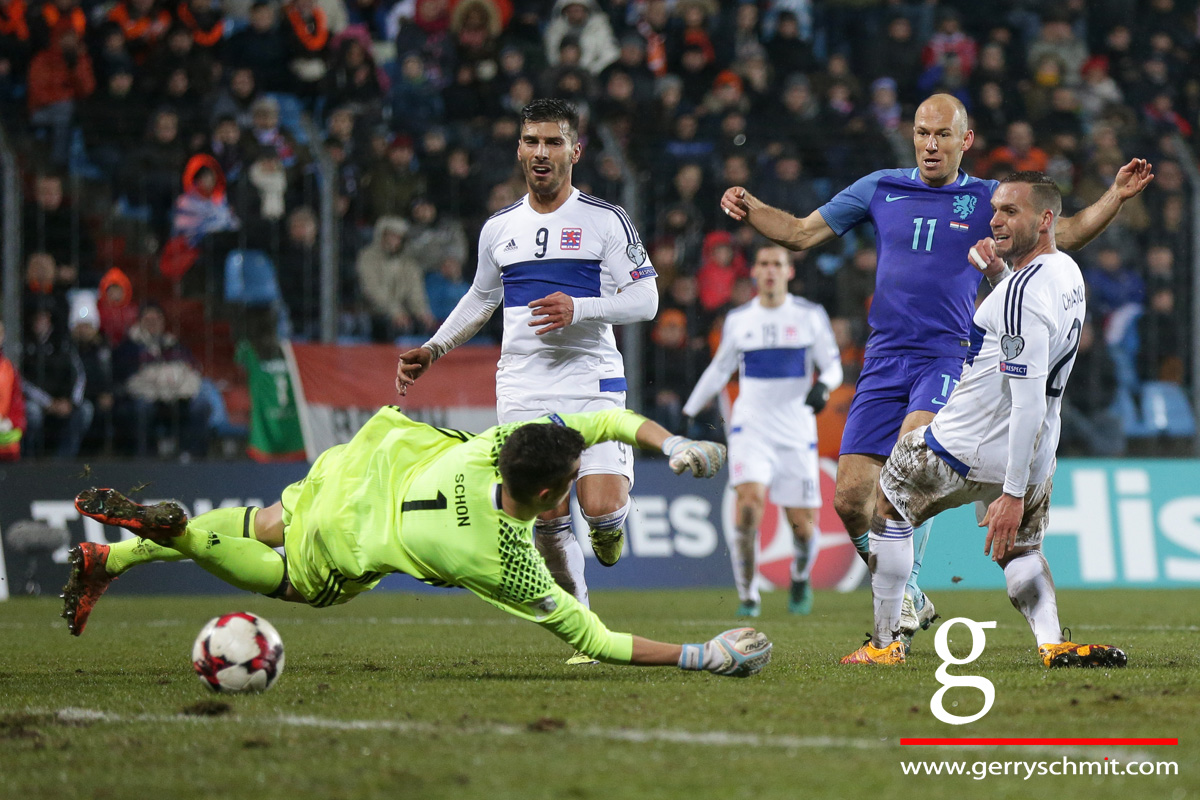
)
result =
(212, 125)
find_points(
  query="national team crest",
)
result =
(964, 205)
(791, 333)
(572, 239)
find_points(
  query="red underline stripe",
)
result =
(1040, 741)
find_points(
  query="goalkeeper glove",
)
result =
(704, 459)
(817, 397)
(737, 653)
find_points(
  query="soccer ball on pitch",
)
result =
(239, 652)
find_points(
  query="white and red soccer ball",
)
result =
(238, 652)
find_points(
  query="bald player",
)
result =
(926, 219)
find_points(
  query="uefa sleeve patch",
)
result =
(643, 272)
(1020, 370)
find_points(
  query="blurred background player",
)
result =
(566, 267)
(774, 342)
(925, 292)
(994, 443)
(378, 505)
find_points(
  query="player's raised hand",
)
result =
(703, 459)
(983, 257)
(1002, 520)
(1132, 178)
(412, 365)
(552, 312)
(733, 203)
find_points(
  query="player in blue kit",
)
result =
(925, 220)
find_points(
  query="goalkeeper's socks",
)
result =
(238, 521)
(701, 656)
(1031, 590)
(245, 563)
(920, 540)
(891, 545)
(131, 552)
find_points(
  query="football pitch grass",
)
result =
(441, 696)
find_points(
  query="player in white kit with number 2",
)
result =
(774, 341)
(566, 267)
(994, 442)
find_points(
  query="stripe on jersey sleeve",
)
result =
(1014, 298)
(631, 236)
(527, 281)
(775, 362)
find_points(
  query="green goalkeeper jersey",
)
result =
(403, 496)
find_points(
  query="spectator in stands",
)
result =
(56, 410)
(476, 26)
(1019, 150)
(353, 77)
(721, 266)
(204, 21)
(457, 191)
(162, 383)
(113, 121)
(1090, 426)
(44, 291)
(261, 48)
(115, 305)
(151, 174)
(445, 288)
(1162, 339)
(392, 284)
(60, 78)
(1112, 284)
(787, 52)
(51, 225)
(1057, 38)
(299, 272)
(201, 212)
(797, 119)
(237, 99)
(14, 41)
(1098, 90)
(416, 101)
(395, 182)
(273, 139)
(855, 288)
(673, 365)
(231, 150)
(179, 96)
(786, 184)
(95, 355)
(306, 39)
(51, 18)
(433, 239)
(588, 25)
(142, 23)
(12, 407)
(178, 51)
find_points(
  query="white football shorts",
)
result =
(921, 485)
(606, 458)
(791, 472)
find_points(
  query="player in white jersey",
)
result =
(774, 342)
(566, 267)
(993, 444)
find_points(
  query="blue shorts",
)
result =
(889, 388)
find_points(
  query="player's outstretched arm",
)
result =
(1072, 233)
(777, 225)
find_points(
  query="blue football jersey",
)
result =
(925, 287)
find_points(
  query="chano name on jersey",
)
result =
(1073, 297)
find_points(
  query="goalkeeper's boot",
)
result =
(88, 580)
(581, 657)
(1069, 654)
(800, 598)
(913, 619)
(749, 608)
(607, 545)
(157, 523)
(870, 654)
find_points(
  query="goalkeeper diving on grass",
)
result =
(447, 507)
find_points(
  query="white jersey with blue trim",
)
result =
(774, 351)
(1026, 329)
(585, 248)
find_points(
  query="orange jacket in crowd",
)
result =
(52, 79)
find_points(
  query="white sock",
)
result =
(556, 542)
(742, 544)
(1031, 590)
(806, 556)
(892, 560)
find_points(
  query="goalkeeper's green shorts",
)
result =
(310, 569)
